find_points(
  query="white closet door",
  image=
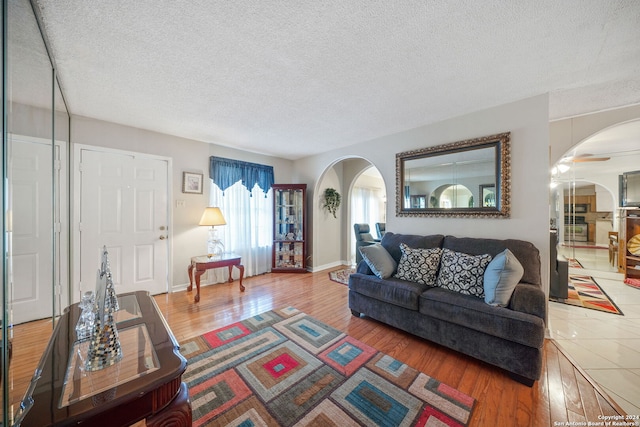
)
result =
(31, 226)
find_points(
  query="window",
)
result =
(249, 228)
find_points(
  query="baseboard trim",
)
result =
(329, 265)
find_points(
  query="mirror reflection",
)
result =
(35, 232)
(464, 178)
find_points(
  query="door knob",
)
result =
(163, 237)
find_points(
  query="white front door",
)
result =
(31, 227)
(124, 206)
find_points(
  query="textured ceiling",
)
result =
(295, 78)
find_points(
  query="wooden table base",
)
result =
(203, 263)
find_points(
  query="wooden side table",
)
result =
(203, 263)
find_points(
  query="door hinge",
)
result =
(57, 165)
(56, 227)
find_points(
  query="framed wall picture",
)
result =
(488, 194)
(192, 183)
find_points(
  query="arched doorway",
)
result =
(354, 178)
(367, 204)
(584, 198)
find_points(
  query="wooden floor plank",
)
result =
(524, 407)
(484, 401)
(589, 399)
(557, 402)
(509, 403)
(572, 399)
(540, 395)
(606, 407)
(500, 400)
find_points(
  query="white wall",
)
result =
(187, 155)
(327, 229)
(528, 122)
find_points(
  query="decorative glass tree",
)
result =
(104, 347)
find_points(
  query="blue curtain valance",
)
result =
(226, 172)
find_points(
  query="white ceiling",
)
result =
(296, 78)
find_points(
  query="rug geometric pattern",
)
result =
(284, 367)
(585, 292)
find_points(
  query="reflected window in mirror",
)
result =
(469, 178)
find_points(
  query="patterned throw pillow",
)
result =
(419, 265)
(462, 272)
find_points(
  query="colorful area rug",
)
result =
(634, 283)
(342, 275)
(574, 263)
(585, 292)
(284, 367)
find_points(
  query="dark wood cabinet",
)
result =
(289, 228)
(631, 242)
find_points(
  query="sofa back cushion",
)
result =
(525, 252)
(391, 242)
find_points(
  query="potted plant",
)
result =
(331, 200)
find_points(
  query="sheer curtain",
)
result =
(365, 208)
(249, 229)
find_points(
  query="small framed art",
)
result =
(191, 183)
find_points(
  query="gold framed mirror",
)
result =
(469, 178)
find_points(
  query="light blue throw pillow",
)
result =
(501, 277)
(379, 260)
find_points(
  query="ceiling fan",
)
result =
(580, 158)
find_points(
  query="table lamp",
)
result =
(212, 216)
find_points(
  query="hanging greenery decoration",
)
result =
(331, 200)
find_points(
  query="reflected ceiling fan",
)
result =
(580, 158)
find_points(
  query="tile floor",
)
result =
(606, 346)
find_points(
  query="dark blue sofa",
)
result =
(509, 337)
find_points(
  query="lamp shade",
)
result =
(212, 216)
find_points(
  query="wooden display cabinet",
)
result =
(631, 254)
(289, 228)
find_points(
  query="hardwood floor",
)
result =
(563, 394)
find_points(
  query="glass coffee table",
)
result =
(145, 384)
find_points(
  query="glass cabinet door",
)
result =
(289, 235)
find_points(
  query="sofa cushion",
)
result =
(391, 242)
(419, 265)
(501, 277)
(526, 252)
(473, 313)
(393, 291)
(463, 273)
(378, 260)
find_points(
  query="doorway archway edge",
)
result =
(566, 133)
(320, 222)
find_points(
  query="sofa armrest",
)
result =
(529, 299)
